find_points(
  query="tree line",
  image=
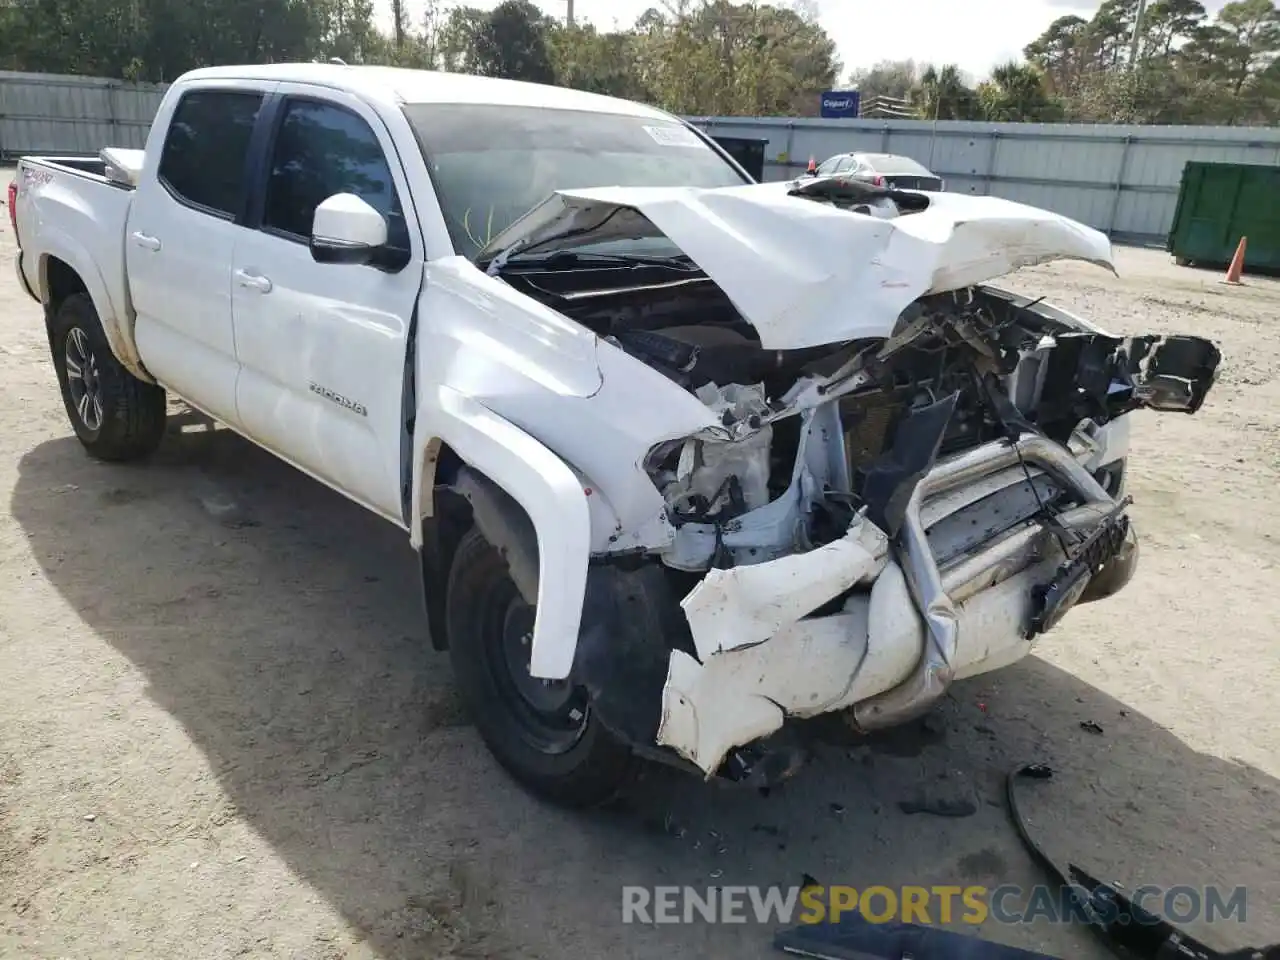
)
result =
(1162, 62)
(1165, 61)
(691, 57)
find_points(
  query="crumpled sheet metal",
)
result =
(749, 604)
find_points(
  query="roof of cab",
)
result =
(395, 85)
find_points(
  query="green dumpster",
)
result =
(1221, 202)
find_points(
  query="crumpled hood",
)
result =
(804, 273)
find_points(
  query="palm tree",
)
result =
(1016, 92)
(943, 95)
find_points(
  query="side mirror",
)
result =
(347, 230)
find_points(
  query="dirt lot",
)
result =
(223, 735)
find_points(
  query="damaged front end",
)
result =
(904, 498)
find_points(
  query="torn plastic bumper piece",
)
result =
(746, 605)
(630, 622)
(1179, 372)
(891, 651)
(1092, 374)
(760, 661)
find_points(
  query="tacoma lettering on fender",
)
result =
(684, 456)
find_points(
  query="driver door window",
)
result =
(322, 149)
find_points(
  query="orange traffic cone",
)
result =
(813, 166)
(1237, 263)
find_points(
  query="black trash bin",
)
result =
(747, 151)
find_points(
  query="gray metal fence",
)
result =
(52, 113)
(1120, 179)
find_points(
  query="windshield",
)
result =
(493, 164)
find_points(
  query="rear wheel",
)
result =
(542, 732)
(115, 415)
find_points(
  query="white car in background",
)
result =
(882, 170)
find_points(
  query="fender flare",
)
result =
(63, 247)
(544, 487)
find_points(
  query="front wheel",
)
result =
(116, 416)
(544, 733)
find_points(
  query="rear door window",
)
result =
(203, 162)
(323, 149)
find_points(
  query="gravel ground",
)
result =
(223, 735)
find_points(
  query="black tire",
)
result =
(581, 765)
(116, 416)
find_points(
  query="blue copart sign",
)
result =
(840, 103)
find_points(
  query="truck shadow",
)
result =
(282, 627)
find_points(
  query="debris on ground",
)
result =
(945, 794)
(939, 806)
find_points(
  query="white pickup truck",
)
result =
(684, 456)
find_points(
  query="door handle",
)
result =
(253, 281)
(145, 241)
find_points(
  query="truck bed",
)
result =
(95, 167)
(118, 167)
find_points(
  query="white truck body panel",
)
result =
(80, 220)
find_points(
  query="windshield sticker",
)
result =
(673, 136)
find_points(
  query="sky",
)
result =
(975, 34)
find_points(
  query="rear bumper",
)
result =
(907, 628)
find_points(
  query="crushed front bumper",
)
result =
(908, 625)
